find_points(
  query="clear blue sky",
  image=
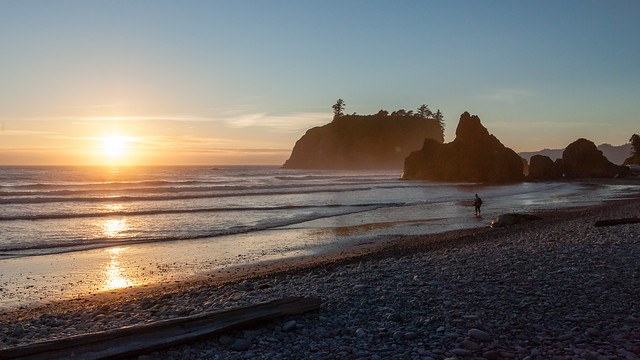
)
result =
(224, 82)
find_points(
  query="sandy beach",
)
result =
(556, 288)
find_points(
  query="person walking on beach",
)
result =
(477, 202)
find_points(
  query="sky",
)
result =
(137, 82)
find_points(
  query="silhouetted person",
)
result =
(477, 202)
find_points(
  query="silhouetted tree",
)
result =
(440, 118)
(338, 107)
(382, 113)
(401, 112)
(424, 112)
(635, 144)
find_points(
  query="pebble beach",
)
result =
(556, 288)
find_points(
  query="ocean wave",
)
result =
(111, 184)
(86, 244)
(115, 198)
(186, 211)
(151, 190)
(169, 189)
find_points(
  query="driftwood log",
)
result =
(141, 339)
(613, 222)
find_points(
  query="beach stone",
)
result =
(461, 352)
(593, 332)
(627, 354)
(18, 330)
(479, 335)
(471, 345)
(394, 317)
(360, 333)
(490, 355)
(590, 355)
(146, 303)
(512, 218)
(289, 325)
(240, 345)
(59, 323)
(410, 335)
(225, 340)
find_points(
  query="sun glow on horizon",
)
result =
(114, 146)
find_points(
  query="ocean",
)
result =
(72, 231)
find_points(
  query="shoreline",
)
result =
(393, 245)
(345, 269)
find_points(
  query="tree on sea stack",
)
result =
(634, 159)
(338, 108)
(635, 144)
(424, 112)
(440, 118)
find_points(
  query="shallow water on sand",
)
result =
(68, 232)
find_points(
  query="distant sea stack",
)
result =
(543, 168)
(379, 141)
(581, 159)
(615, 154)
(474, 156)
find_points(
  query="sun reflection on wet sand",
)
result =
(115, 277)
(114, 228)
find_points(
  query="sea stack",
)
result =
(543, 168)
(379, 141)
(474, 156)
(582, 159)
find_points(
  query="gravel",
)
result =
(558, 288)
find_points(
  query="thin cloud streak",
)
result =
(95, 106)
(89, 119)
(286, 123)
(27, 132)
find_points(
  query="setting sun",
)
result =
(115, 146)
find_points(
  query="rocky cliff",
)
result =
(474, 156)
(380, 141)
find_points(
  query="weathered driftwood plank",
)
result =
(613, 222)
(141, 339)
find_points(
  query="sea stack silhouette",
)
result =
(474, 156)
(580, 160)
(379, 141)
